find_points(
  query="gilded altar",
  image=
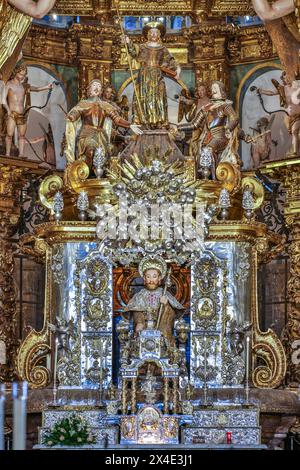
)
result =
(153, 361)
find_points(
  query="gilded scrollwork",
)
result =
(252, 184)
(31, 362)
(266, 346)
(47, 190)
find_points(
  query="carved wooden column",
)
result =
(291, 333)
(124, 396)
(94, 54)
(133, 395)
(208, 54)
(13, 175)
(175, 395)
(166, 395)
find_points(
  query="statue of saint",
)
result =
(150, 106)
(153, 270)
(282, 21)
(216, 122)
(289, 94)
(116, 136)
(16, 102)
(87, 119)
(189, 108)
(148, 385)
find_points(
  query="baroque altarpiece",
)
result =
(109, 308)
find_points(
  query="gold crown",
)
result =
(153, 262)
(154, 25)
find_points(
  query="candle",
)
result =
(2, 415)
(101, 374)
(55, 370)
(205, 356)
(229, 437)
(247, 368)
(205, 370)
(19, 416)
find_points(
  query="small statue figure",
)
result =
(216, 122)
(153, 270)
(63, 331)
(148, 386)
(93, 374)
(89, 117)
(113, 392)
(236, 335)
(115, 134)
(150, 106)
(16, 103)
(189, 108)
(289, 94)
(261, 145)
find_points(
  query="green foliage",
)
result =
(70, 431)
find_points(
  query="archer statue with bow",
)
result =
(16, 101)
(289, 96)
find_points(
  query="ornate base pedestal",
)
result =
(210, 426)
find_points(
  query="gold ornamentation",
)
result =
(229, 175)
(8, 323)
(49, 186)
(76, 174)
(256, 188)
(266, 345)
(13, 177)
(96, 276)
(36, 346)
(33, 349)
(128, 427)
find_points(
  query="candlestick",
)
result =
(247, 369)
(205, 370)
(19, 416)
(101, 375)
(55, 371)
(2, 415)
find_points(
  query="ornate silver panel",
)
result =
(82, 310)
(220, 418)
(220, 313)
(210, 426)
(93, 417)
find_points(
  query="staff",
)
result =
(162, 307)
(2, 415)
(129, 63)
